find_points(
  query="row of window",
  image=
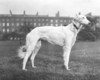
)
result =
(10, 24)
(39, 24)
(21, 24)
(51, 20)
(11, 30)
(8, 30)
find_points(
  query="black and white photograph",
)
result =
(49, 39)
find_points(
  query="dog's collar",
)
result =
(75, 26)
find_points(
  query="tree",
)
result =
(23, 30)
(93, 20)
(89, 31)
(26, 28)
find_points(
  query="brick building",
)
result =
(12, 22)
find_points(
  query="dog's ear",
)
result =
(79, 13)
(76, 17)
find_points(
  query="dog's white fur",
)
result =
(64, 36)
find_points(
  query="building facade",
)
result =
(12, 22)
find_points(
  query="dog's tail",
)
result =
(22, 51)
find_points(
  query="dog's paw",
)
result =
(34, 67)
(24, 69)
(67, 68)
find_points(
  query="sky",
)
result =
(50, 7)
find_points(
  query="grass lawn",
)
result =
(84, 62)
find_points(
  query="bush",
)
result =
(11, 36)
(4, 36)
(87, 36)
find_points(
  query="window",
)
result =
(0, 24)
(17, 24)
(3, 24)
(61, 20)
(30, 19)
(39, 20)
(42, 19)
(12, 24)
(51, 20)
(51, 24)
(7, 24)
(13, 30)
(39, 24)
(46, 19)
(3, 30)
(7, 19)
(12, 19)
(27, 23)
(3, 19)
(8, 30)
(31, 23)
(56, 24)
(47, 24)
(61, 24)
(56, 21)
(42, 24)
(22, 24)
(27, 19)
(17, 19)
(64, 20)
(34, 24)
(34, 19)
(22, 19)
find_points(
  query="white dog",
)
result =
(64, 36)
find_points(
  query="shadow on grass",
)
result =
(10, 69)
(10, 74)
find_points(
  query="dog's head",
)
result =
(81, 19)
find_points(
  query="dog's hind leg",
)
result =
(30, 48)
(28, 53)
(36, 49)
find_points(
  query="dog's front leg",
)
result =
(73, 41)
(66, 56)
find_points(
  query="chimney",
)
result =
(57, 14)
(10, 13)
(37, 14)
(24, 12)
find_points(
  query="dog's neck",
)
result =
(77, 25)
